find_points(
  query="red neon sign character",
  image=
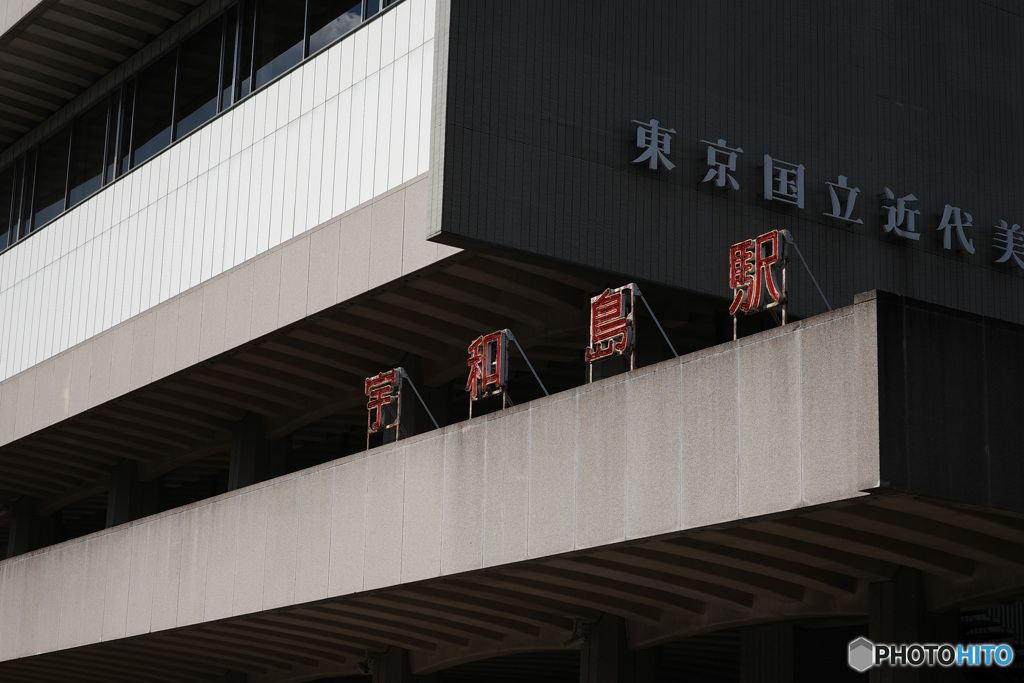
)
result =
(750, 272)
(611, 323)
(487, 365)
(381, 390)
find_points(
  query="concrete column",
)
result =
(24, 529)
(278, 455)
(253, 457)
(605, 656)
(767, 654)
(899, 614)
(129, 498)
(28, 530)
(248, 452)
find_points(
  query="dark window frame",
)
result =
(122, 109)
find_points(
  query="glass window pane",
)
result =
(330, 19)
(87, 142)
(51, 178)
(6, 205)
(25, 172)
(127, 115)
(372, 7)
(154, 98)
(113, 101)
(227, 82)
(198, 79)
(245, 49)
(279, 37)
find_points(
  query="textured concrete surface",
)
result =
(301, 277)
(777, 421)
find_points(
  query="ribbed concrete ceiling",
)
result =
(62, 47)
(306, 380)
(804, 564)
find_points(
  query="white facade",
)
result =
(344, 126)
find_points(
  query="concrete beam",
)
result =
(501, 489)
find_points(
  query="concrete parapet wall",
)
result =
(780, 420)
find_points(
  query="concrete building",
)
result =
(219, 217)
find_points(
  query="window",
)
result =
(88, 137)
(329, 20)
(7, 205)
(250, 44)
(245, 29)
(154, 100)
(51, 178)
(124, 145)
(198, 79)
(229, 58)
(25, 171)
(279, 38)
(114, 102)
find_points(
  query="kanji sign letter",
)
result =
(487, 365)
(750, 272)
(382, 390)
(611, 323)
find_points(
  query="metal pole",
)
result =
(528, 364)
(790, 240)
(423, 403)
(655, 319)
(785, 297)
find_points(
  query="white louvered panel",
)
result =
(123, 256)
(300, 218)
(385, 100)
(397, 127)
(425, 106)
(349, 124)
(283, 216)
(374, 37)
(413, 114)
(329, 164)
(356, 138)
(388, 37)
(307, 89)
(359, 56)
(369, 130)
(284, 93)
(418, 30)
(347, 66)
(261, 186)
(294, 85)
(314, 166)
(244, 205)
(273, 186)
(220, 215)
(234, 246)
(202, 243)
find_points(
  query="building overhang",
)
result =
(60, 48)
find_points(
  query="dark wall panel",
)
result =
(921, 97)
(949, 403)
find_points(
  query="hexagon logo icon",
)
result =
(861, 655)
